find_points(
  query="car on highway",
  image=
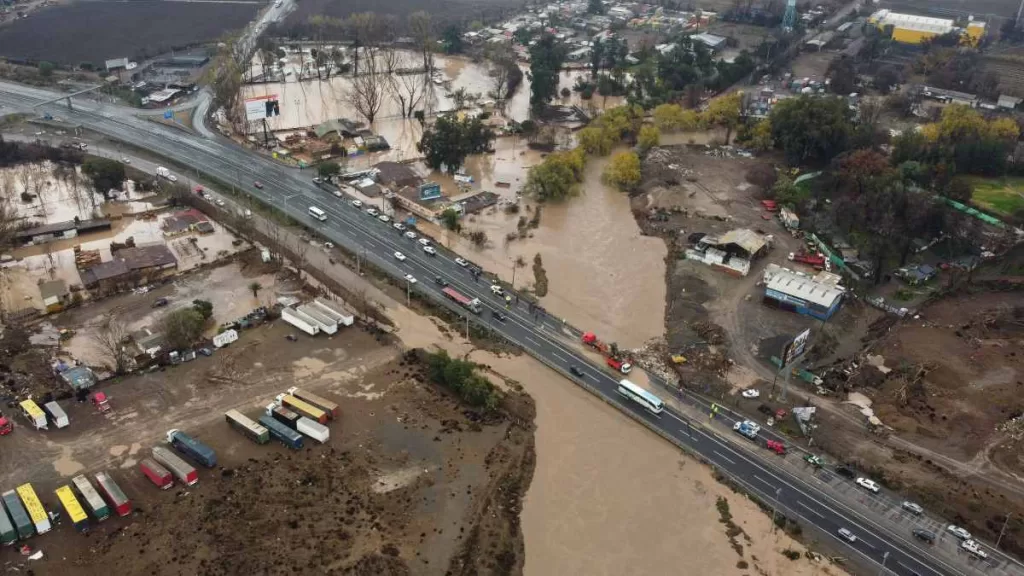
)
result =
(747, 428)
(221, 203)
(497, 290)
(498, 316)
(258, 184)
(848, 535)
(912, 507)
(410, 278)
(750, 393)
(461, 262)
(384, 218)
(925, 535)
(845, 472)
(430, 250)
(317, 180)
(974, 548)
(868, 485)
(357, 203)
(160, 302)
(373, 212)
(440, 281)
(399, 226)
(424, 241)
(576, 371)
(958, 532)
(399, 256)
(126, 160)
(410, 235)
(337, 193)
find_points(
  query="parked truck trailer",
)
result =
(283, 415)
(192, 448)
(325, 323)
(19, 516)
(73, 508)
(302, 407)
(331, 408)
(122, 505)
(97, 507)
(182, 470)
(331, 309)
(8, 534)
(314, 430)
(36, 512)
(247, 426)
(282, 433)
(56, 415)
(300, 321)
(156, 473)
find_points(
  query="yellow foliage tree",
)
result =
(761, 136)
(623, 171)
(649, 137)
(596, 140)
(668, 117)
(725, 111)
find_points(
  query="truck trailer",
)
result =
(156, 473)
(182, 470)
(314, 430)
(97, 507)
(8, 535)
(73, 508)
(192, 448)
(334, 311)
(36, 513)
(19, 516)
(56, 415)
(246, 426)
(284, 434)
(283, 415)
(35, 414)
(300, 321)
(331, 408)
(325, 323)
(122, 505)
(302, 407)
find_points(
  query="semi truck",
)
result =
(334, 311)
(19, 516)
(246, 426)
(8, 535)
(73, 508)
(97, 507)
(283, 415)
(36, 416)
(325, 323)
(165, 173)
(36, 513)
(182, 470)
(300, 321)
(302, 407)
(331, 408)
(156, 473)
(471, 304)
(192, 448)
(55, 415)
(314, 430)
(122, 505)
(284, 434)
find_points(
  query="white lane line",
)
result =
(724, 457)
(766, 483)
(809, 509)
(559, 356)
(535, 343)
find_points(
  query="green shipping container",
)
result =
(18, 514)
(8, 535)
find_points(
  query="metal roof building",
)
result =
(800, 293)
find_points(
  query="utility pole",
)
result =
(467, 326)
(775, 505)
(408, 291)
(1007, 521)
(884, 558)
(1019, 10)
(513, 275)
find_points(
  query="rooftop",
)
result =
(141, 257)
(803, 287)
(79, 377)
(912, 22)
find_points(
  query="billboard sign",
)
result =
(795, 348)
(430, 191)
(262, 107)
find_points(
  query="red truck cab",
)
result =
(620, 365)
(5, 426)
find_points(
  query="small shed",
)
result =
(79, 378)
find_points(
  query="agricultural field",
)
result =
(97, 31)
(955, 8)
(1004, 196)
(440, 10)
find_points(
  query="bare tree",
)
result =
(369, 86)
(368, 31)
(502, 59)
(408, 89)
(421, 27)
(110, 337)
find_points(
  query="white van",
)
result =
(317, 213)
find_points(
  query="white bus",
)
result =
(317, 213)
(641, 396)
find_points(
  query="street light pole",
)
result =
(1002, 530)
(884, 558)
(513, 275)
(408, 291)
(775, 505)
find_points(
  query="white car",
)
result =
(868, 485)
(172, 178)
(357, 203)
(912, 507)
(339, 194)
(410, 278)
(410, 235)
(461, 262)
(373, 212)
(958, 532)
(497, 290)
(430, 250)
(126, 160)
(399, 256)
(750, 393)
(974, 548)
(424, 241)
(328, 245)
(384, 218)
(847, 535)
(399, 226)
(221, 203)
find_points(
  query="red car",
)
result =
(258, 184)
(776, 446)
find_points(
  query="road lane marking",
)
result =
(724, 457)
(765, 482)
(559, 356)
(808, 508)
(535, 343)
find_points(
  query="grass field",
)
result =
(1002, 195)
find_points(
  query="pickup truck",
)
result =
(619, 365)
(747, 428)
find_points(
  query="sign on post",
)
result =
(262, 107)
(795, 348)
(430, 191)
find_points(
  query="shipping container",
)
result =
(245, 425)
(334, 311)
(22, 523)
(302, 407)
(286, 435)
(36, 512)
(74, 510)
(97, 507)
(182, 470)
(114, 494)
(56, 415)
(314, 430)
(192, 448)
(331, 408)
(34, 413)
(283, 415)
(8, 535)
(156, 473)
(300, 321)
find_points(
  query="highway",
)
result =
(877, 547)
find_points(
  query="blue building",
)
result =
(802, 294)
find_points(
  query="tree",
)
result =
(761, 136)
(183, 327)
(786, 192)
(557, 177)
(811, 130)
(46, 69)
(369, 86)
(725, 111)
(451, 40)
(328, 169)
(595, 7)
(421, 27)
(596, 57)
(649, 137)
(595, 140)
(503, 61)
(546, 58)
(204, 307)
(842, 73)
(255, 287)
(106, 174)
(672, 117)
(110, 338)
(450, 219)
(449, 140)
(887, 77)
(623, 171)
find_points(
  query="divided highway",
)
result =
(541, 336)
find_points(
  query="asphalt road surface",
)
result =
(876, 547)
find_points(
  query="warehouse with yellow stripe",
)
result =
(912, 29)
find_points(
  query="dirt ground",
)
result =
(410, 482)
